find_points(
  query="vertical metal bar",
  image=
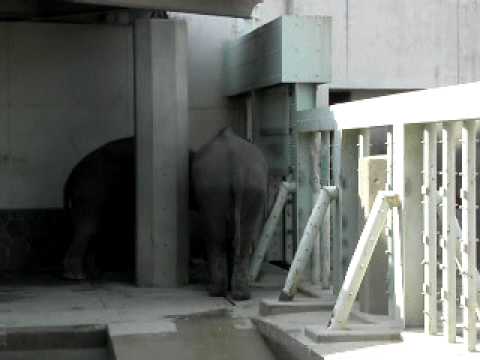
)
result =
(363, 143)
(448, 241)
(325, 239)
(468, 244)
(305, 98)
(429, 192)
(345, 225)
(321, 167)
(363, 151)
(389, 226)
(407, 224)
(316, 163)
(361, 257)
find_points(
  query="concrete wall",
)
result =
(400, 43)
(64, 90)
(384, 44)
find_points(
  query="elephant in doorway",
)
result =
(230, 178)
(99, 199)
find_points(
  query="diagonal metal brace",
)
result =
(304, 250)
(361, 257)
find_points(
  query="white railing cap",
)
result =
(450, 103)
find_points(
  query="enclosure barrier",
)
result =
(269, 228)
(305, 247)
(413, 122)
(361, 257)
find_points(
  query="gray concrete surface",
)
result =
(58, 102)
(161, 128)
(144, 318)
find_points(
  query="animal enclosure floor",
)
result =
(36, 302)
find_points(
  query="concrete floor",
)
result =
(145, 313)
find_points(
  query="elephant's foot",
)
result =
(240, 288)
(73, 269)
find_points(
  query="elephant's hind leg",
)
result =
(248, 225)
(85, 228)
(217, 252)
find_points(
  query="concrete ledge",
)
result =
(320, 333)
(274, 307)
(59, 337)
(316, 291)
(283, 344)
(132, 328)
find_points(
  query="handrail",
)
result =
(414, 107)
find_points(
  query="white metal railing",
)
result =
(416, 120)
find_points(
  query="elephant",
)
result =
(99, 199)
(230, 178)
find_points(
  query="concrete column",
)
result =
(372, 176)
(162, 152)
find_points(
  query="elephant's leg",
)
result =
(217, 255)
(84, 231)
(248, 225)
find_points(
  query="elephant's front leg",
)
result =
(217, 255)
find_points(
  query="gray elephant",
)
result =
(229, 178)
(99, 199)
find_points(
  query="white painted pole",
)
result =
(305, 247)
(361, 257)
(468, 245)
(457, 234)
(389, 228)
(269, 228)
(448, 241)
(429, 192)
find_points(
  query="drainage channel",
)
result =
(55, 343)
(213, 336)
(197, 337)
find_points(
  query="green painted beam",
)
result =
(290, 49)
(313, 120)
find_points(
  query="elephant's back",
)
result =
(102, 171)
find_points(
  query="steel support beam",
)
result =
(361, 257)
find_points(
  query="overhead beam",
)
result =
(234, 8)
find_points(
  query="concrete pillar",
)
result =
(162, 152)
(372, 177)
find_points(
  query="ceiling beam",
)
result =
(234, 8)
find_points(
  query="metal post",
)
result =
(304, 250)
(325, 238)
(345, 218)
(429, 192)
(361, 257)
(457, 234)
(389, 227)
(316, 254)
(269, 228)
(448, 241)
(468, 244)
(321, 171)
